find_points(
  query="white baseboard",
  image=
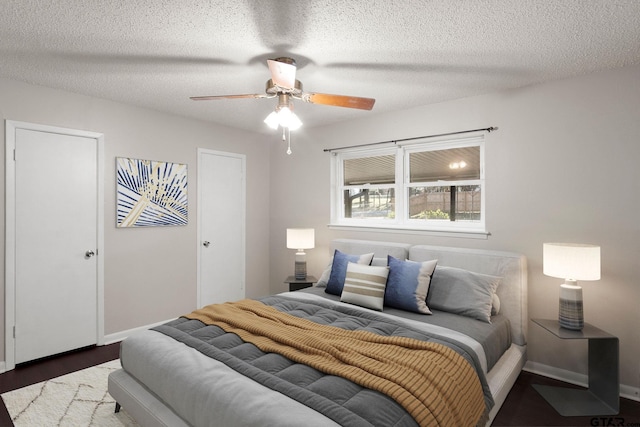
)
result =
(119, 336)
(626, 391)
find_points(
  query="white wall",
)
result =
(150, 273)
(563, 166)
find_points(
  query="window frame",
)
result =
(402, 185)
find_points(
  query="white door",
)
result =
(56, 246)
(221, 221)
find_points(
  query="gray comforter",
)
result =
(338, 399)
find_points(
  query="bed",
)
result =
(188, 373)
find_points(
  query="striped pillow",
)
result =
(364, 285)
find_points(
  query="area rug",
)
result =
(78, 399)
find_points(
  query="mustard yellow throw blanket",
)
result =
(436, 385)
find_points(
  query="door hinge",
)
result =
(14, 332)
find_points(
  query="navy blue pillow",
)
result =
(408, 284)
(339, 270)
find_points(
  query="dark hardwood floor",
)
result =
(34, 372)
(523, 407)
(526, 407)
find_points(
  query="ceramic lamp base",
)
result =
(570, 313)
(300, 271)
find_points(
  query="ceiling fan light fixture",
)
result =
(283, 117)
(289, 119)
(272, 120)
(294, 122)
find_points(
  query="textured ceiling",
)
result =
(158, 53)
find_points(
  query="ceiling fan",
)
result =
(283, 84)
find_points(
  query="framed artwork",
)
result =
(150, 193)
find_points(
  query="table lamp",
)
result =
(572, 262)
(300, 239)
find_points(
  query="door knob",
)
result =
(206, 243)
(89, 253)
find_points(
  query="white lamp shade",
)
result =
(272, 120)
(573, 261)
(285, 118)
(300, 238)
(288, 119)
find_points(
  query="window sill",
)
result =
(465, 234)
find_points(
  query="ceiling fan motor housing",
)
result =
(284, 100)
(286, 60)
(273, 89)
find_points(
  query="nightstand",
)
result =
(603, 395)
(297, 284)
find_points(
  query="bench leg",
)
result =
(117, 407)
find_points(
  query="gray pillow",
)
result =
(462, 292)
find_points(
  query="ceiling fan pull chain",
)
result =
(288, 140)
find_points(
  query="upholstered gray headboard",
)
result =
(512, 267)
(380, 249)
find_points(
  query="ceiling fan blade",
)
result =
(283, 74)
(339, 100)
(215, 97)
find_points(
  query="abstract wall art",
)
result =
(151, 193)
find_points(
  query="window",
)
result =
(369, 187)
(425, 185)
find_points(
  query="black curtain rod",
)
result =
(395, 141)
